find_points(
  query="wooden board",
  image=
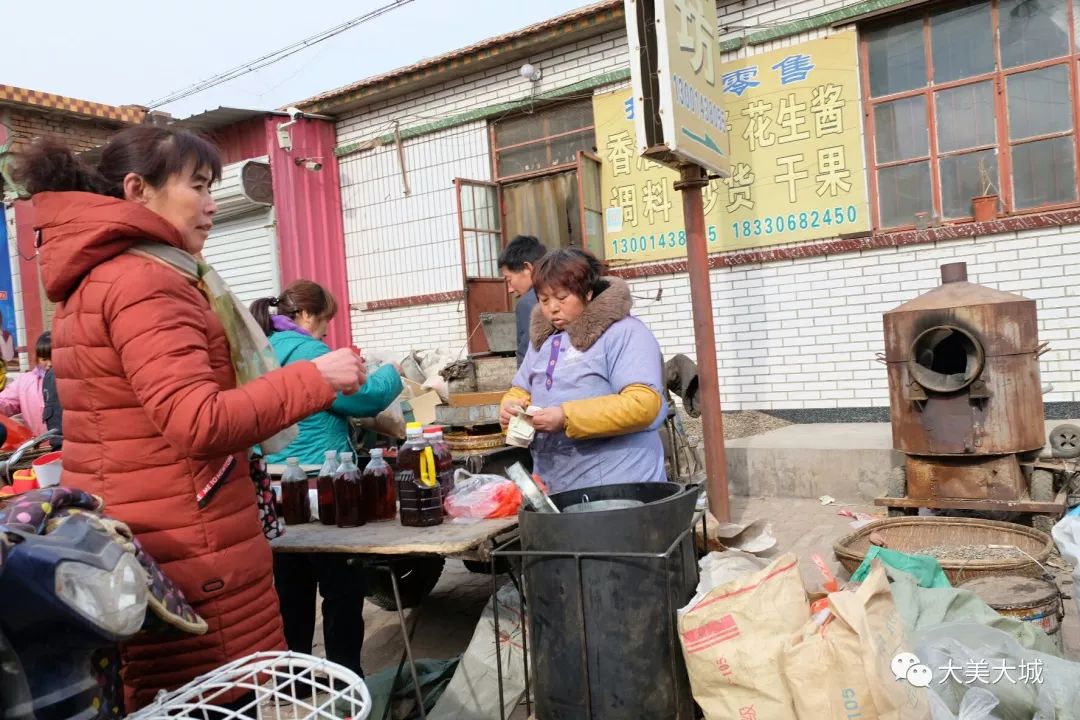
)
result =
(390, 537)
(472, 399)
(1056, 506)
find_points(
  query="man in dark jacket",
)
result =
(516, 263)
(52, 413)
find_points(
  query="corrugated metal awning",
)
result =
(211, 120)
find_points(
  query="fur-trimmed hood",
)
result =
(610, 304)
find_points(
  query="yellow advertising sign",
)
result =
(797, 159)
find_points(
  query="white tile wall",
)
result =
(559, 67)
(803, 334)
(790, 334)
(399, 245)
(421, 327)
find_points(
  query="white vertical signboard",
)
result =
(675, 68)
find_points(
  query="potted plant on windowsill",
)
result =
(985, 206)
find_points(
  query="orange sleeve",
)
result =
(160, 334)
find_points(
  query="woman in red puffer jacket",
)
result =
(152, 411)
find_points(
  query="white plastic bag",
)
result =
(473, 692)
(964, 656)
(1066, 534)
(390, 422)
(978, 704)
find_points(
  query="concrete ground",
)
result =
(849, 461)
(802, 526)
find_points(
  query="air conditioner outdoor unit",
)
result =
(245, 186)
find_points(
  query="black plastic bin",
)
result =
(602, 589)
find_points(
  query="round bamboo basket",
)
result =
(463, 442)
(911, 534)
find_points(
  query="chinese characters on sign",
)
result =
(695, 126)
(796, 158)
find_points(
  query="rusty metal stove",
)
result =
(965, 396)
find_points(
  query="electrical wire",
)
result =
(271, 58)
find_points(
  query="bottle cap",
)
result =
(292, 461)
(376, 453)
(346, 457)
(330, 454)
(413, 426)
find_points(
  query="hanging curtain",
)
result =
(547, 208)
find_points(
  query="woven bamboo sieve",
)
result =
(911, 534)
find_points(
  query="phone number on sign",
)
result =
(773, 225)
(657, 241)
(794, 222)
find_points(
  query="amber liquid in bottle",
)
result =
(421, 506)
(296, 505)
(444, 460)
(325, 490)
(348, 494)
(380, 496)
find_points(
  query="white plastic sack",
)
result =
(390, 422)
(473, 692)
(719, 568)
(432, 361)
(978, 704)
(732, 639)
(1032, 686)
(375, 359)
(1066, 534)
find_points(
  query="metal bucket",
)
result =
(500, 331)
(1029, 599)
(600, 505)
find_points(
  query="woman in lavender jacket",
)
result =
(596, 372)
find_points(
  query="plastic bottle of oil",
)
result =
(348, 493)
(380, 497)
(444, 459)
(325, 489)
(419, 494)
(296, 506)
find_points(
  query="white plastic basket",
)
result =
(287, 686)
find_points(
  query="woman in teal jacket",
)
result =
(299, 338)
(296, 328)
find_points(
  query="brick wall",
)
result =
(419, 327)
(559, 67)
(76, 133)
(744, 17)
(80, 134)
(803, 334)
(791, 334)
(399, 245)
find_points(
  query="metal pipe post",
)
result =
(693, 179)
